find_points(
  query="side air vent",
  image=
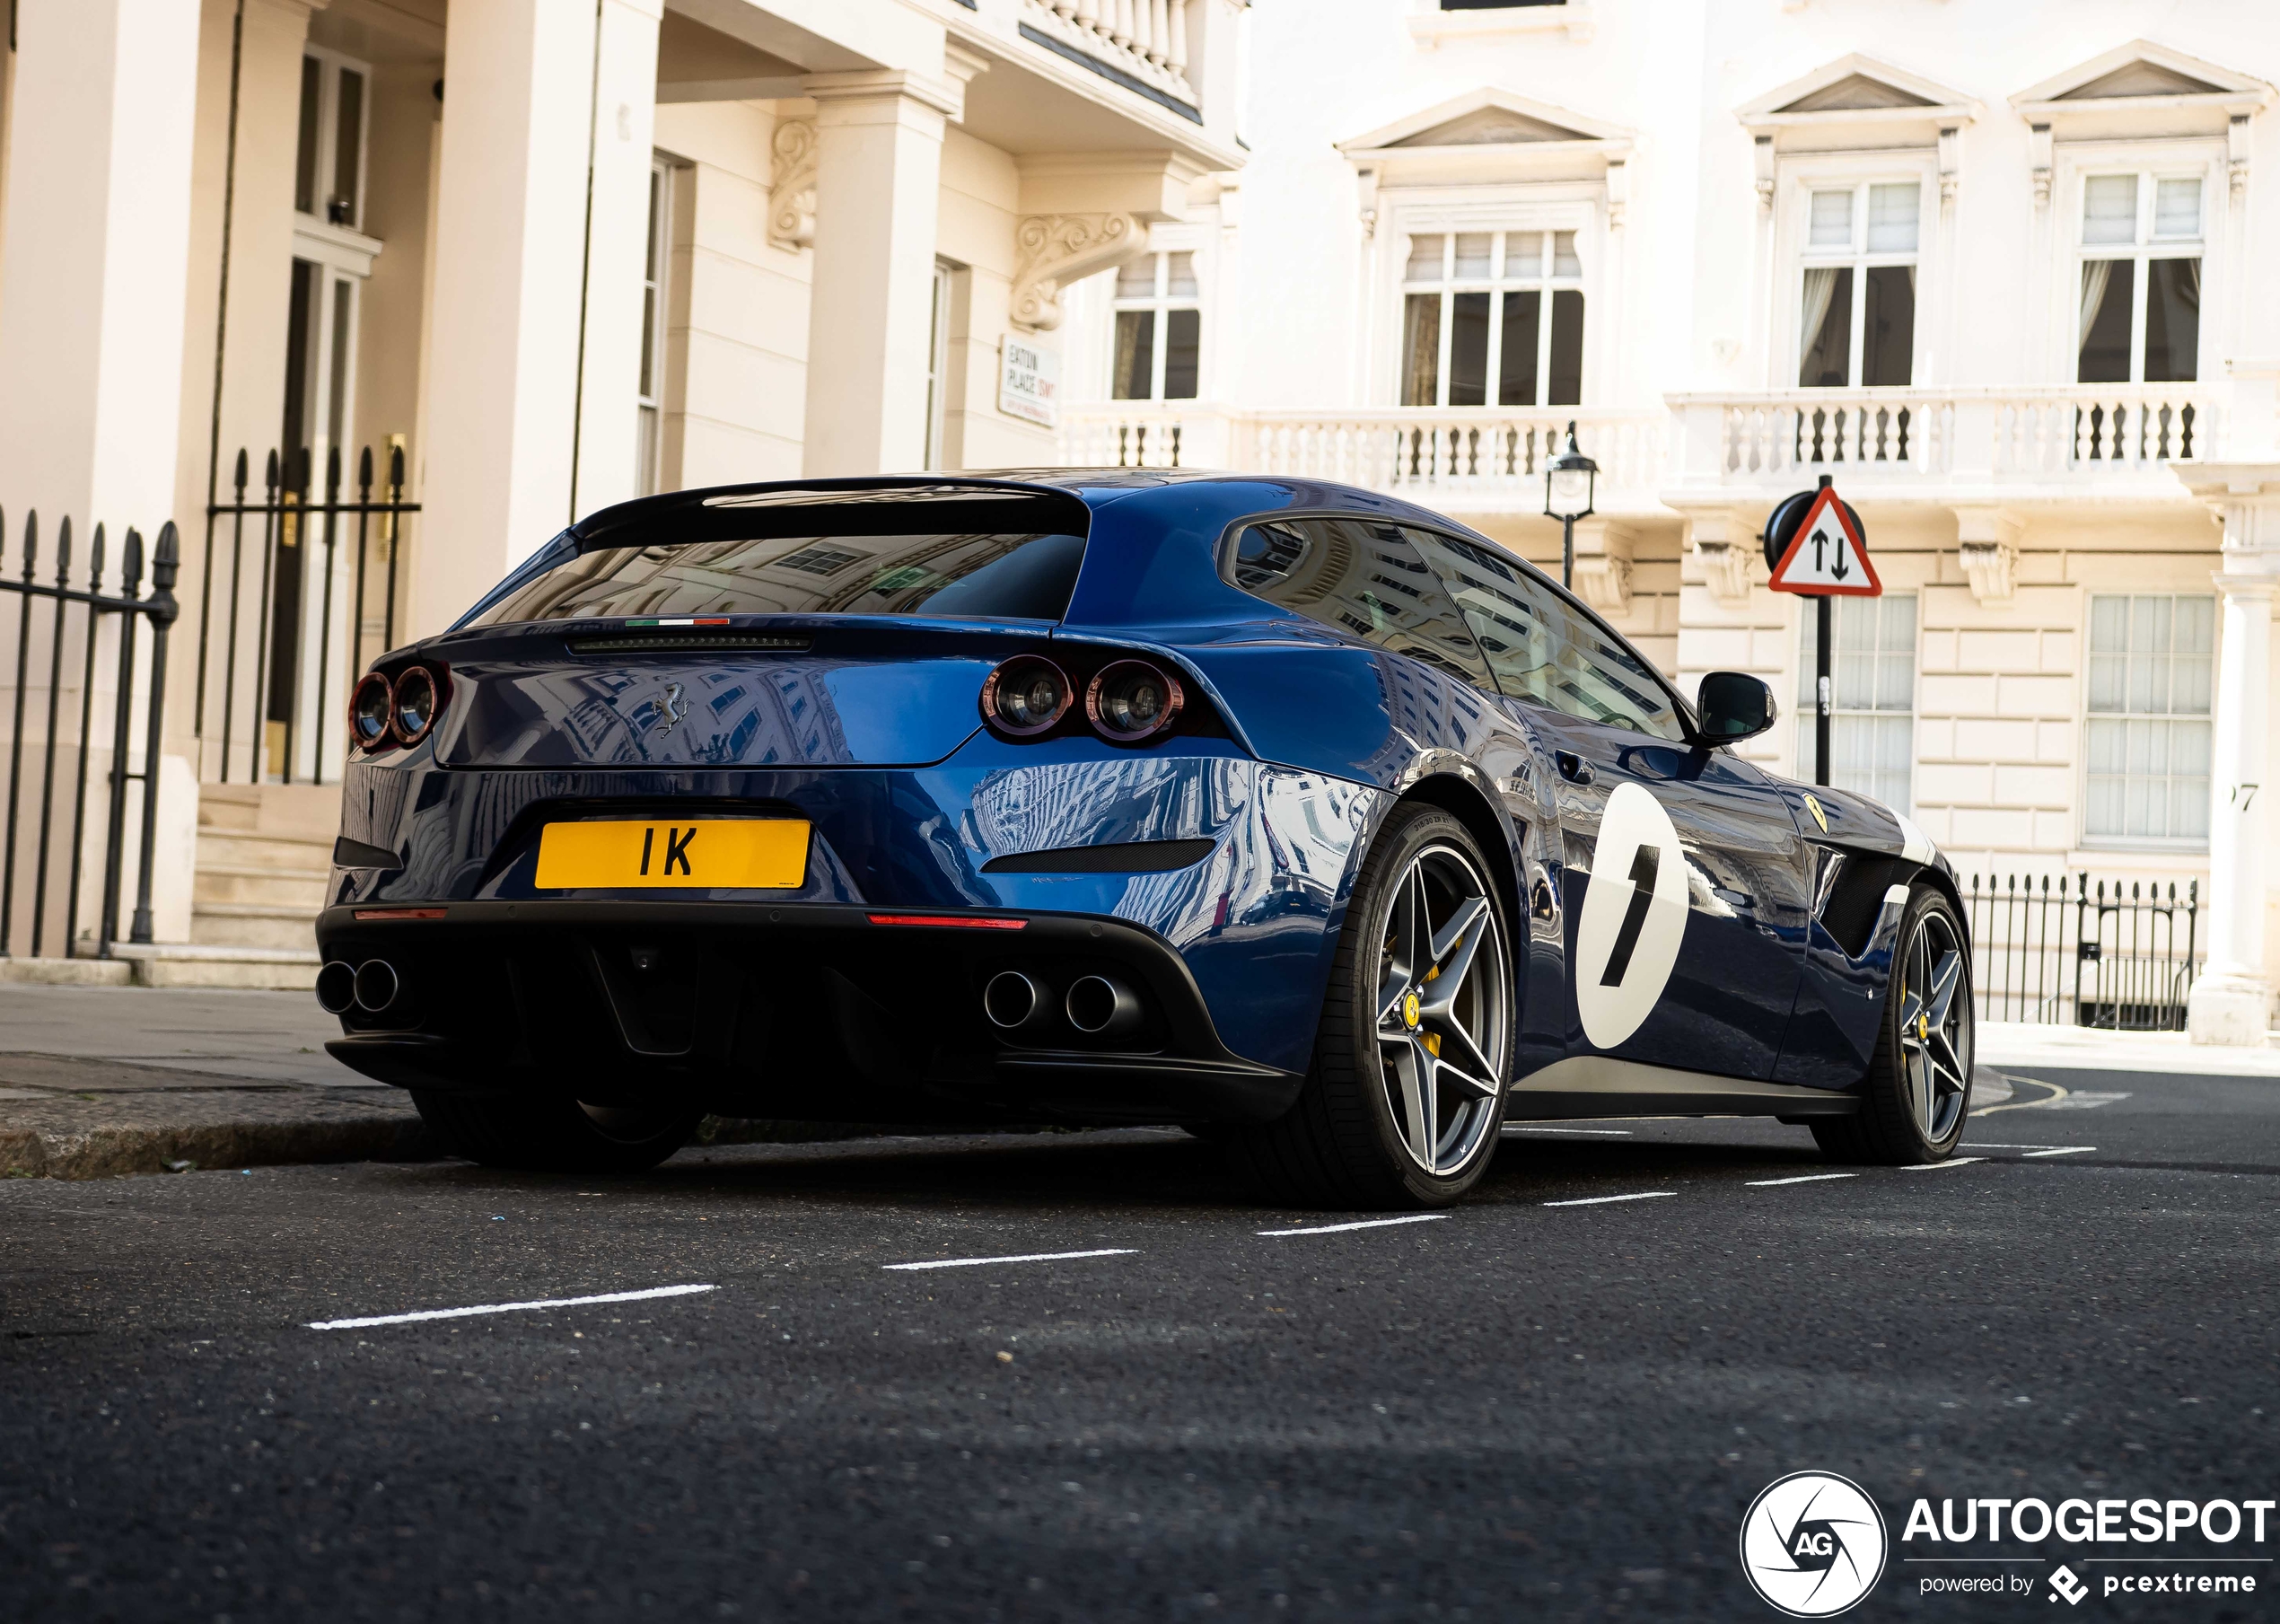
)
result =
(679, 642)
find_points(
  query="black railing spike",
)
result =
(95, 562)
(166, 559)
(365, 468)
(130, 575)
(240, 478)
(332, 468)
(30, 542)
(396, 465)
(63, 552)
(270, 477)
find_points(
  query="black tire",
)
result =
(1340, 1147)
(1891, 1128)
(554, 1134)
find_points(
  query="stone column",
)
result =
(510, 405)
(94, 269)
(879, 137)
(2231, 1002)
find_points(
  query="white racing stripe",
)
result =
(1800, 1179)
(1644, 1195)
(509, 1308)
(1026, 1257)
(2062, 1150)
(1936, 1166)
(1332, 1229)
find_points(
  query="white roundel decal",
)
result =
(1634, 917)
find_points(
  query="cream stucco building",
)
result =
(555, 254)
(2006, 272)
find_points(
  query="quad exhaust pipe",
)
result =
(373, 986)
(1098, 1006)
(1101, 1006)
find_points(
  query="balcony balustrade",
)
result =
(1922, 444)
(1145, 38)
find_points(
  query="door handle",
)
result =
(1573, 767)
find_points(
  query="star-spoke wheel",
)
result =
(1441, 1010)
(1917, 1096)
(1934, 1027)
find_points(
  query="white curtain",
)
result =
(1820, 288)
(2095, 275)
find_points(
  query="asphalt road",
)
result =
(1523, 1410)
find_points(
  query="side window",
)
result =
(1364, 578)
(1545, 652)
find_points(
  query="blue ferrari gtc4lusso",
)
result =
(1296, 816)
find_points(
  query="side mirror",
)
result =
(1731, 705)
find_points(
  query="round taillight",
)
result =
(368, 712)
(1133, 701)
(414, 705)
(1025, 695)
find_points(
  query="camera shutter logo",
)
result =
(1813, 1544)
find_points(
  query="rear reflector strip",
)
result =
(684, 620)
(399, 913)
(951, 921)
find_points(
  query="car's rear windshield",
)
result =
(1017, 575)
(972, 552)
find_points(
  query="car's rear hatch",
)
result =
(755, 693)
(825, 626)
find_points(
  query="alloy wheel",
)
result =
(1441, 1030)
(1935, 1027)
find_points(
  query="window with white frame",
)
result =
(1856, 318)
(1159, 329)
(1871, 679)
(328, 161)
(656, 282)
(2150, 655)
(1493, 318)
(937, 361)
(2140, 315)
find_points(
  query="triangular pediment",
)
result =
(1485, 117)
(1855, 92)
(2140, 71)
(2141, 78)
(1490, 127)
(1858, 90)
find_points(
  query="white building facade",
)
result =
(552, 254)
(2006, 272)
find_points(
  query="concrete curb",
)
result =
(110, 1153)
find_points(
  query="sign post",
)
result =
(1818, 548)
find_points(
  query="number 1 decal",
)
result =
(1634, 917)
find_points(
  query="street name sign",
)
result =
(1829, 555)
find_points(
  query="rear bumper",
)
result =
(796, 1010)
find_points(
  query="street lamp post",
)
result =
(1569, 479)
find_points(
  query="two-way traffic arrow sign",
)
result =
(1828, 557)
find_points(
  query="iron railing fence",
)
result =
(79, 667)
(2065, 949)
(287, 622)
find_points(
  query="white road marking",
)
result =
(1800, 1179)
(1606, 1133)
(1988, 1144)
(1026, 1257)
(2062, 1150)
(1931, 1166)
(2085, 1100)
(1644, 1195)
(1332, 1229)
(509, 1308)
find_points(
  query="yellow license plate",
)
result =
(757, 854)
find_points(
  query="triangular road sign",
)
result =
(1828, 556)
